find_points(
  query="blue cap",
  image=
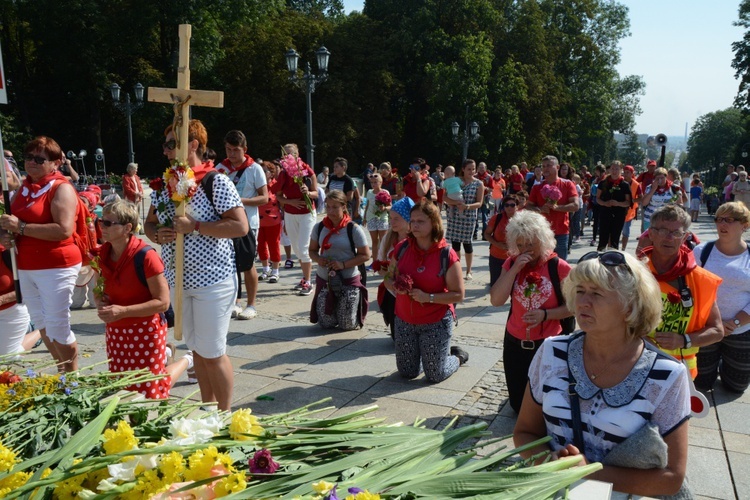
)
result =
(403, 207)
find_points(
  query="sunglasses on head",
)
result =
(169, 145)
(609, 259)
(39, 160)
(110, 223)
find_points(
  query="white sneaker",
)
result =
(274, 278)
(236, 309)
(263, 276)
(192, 379)
(248, 313)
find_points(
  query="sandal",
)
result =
(192, 378)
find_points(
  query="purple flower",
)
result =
(354, 490)
(262, 463)
(332, 495)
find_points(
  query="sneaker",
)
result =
(274, 278)
(306, 288)
(463, 356)
(247, 313)
(236, 309)
(192, 378)
(299, 285)
(263, 276)
(289, 264)
(592, 243)
(171, 350)
(469, 277)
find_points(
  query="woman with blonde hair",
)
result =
(528, 278)
(603, 391)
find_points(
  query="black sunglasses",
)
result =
(110, 223)
(39, 160)
(609, 259)
(509, 205)
(169, 145)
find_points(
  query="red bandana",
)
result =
(30, 190)
(201, 170)
(328, 223)
(226, 167)
(685, 263)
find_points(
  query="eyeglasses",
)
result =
(110, 223)
(338, 207)
(509, 205)
(169, 145)
(609, 259)
(39, 160)
(728, 220)
(664, 232)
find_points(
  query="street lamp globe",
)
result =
(139, 91)
(322, 55)
(744, 154)
(474, 129)
(291, 61)
(454, 128)
(115, 90)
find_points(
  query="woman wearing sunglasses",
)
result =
(729, 258)
(42, 226)
(528, 280)
(129, 305)
(595, 389)
(494, 233)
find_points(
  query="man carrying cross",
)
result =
(214, 213)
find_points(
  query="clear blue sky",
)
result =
(682, 49)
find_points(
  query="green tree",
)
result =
(741, 61)
(713, 139)
(631, 152)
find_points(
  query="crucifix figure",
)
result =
(181, 99)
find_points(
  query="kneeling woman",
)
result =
(136, 333)
(426, 278)
(340, 297)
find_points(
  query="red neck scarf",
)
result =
(328, 223)
(226, 167)
(30, 190)
(685, 263)
(667, 187)
(201, 170)
(128, 254)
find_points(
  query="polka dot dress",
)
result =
(140, 345)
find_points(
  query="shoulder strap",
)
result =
(207, 183)
(138, 261)
(707, 251)
(350, 234)
(402, 250)
(445, 255)
(497, 221)
(554, 277)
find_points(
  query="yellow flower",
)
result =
(363, 495)
(200, 464)
(323, 487)
(147, 485)
(230, 484)
(7, 458)
(243, 423)
(122, 439)
(13, 482)
(172, 466)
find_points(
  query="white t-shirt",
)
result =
(252, 179)
(733, 295)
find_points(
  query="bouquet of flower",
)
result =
(551, 193)
(403, 283)
(533, 282)
(382, 200)
(295, 169)
(96, 266)
(180, 181)
(157, 185)
(377, 265)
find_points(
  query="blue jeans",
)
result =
(561, 249)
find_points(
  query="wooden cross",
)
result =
(181, 98)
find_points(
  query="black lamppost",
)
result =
(307, 82)
(128, 108)
(470, 133)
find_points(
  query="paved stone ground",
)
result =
(282, 356)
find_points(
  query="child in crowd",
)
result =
(269, 233)
(452, 184)
(696, 196)
(376, 214)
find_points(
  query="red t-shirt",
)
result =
(543, 298)
(269, 214)
(645, 179)
(410, 188)
(486, 180)
(499, 235)
(291, 190)
(423, 267)
(121, 283)
(6, 281)
(558, 220)
(516, 182)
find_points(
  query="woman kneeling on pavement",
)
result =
(605, 394)
(426, 279)
(528, 280)
(340, 297)
(134, 297)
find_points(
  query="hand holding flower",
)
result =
(111, 313)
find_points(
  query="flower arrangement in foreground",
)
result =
(296, 169)
(180, 181)
(181, 452)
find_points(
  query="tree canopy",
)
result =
(534, 74)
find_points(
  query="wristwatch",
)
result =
(737, 322)
(688, 342)
(432, 298)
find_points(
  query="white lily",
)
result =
(187, 431)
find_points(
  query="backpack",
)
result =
(350, 233)
(82, 236)
(138, 261)
(707, 251)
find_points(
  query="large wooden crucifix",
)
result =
(181, 98)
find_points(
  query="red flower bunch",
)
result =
(533, 283)
(377, 265)
(8, 378)
(262, 463)
(403, 283)
(383, 197)
(551, 193)
(674, 298)
(156, 184)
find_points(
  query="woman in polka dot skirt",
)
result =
(136, 332)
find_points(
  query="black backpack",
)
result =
(350, 233)
(138, 261)
(707, 251)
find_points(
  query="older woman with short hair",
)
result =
(728, 257)
(622, 389)
(528, 280)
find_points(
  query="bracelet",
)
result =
(197, 227)
(545, 315)
(21, 228)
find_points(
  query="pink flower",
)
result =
(262, 463)
(403, 283)
(551, 193)
(383, 197)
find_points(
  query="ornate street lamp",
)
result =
(128, 108)
(470, 133)
(308, 82)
